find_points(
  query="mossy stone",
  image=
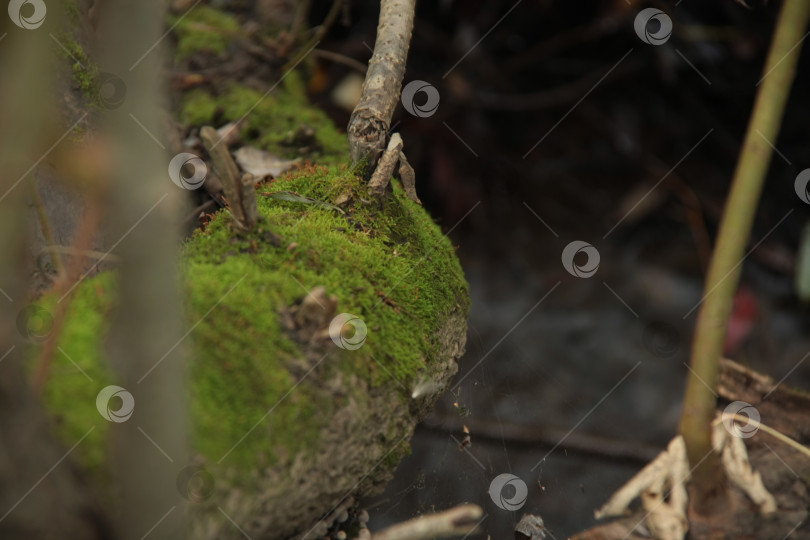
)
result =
(299, 422)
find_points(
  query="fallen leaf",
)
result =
(260, 163)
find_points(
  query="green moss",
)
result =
(391, 267)
(78, 372)
(203, 29)
(72, 10)
(198, 108)
(277, 121)
(85, 71)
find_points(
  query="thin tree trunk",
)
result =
(146, 347)
(42, 494)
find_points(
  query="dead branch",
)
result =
(585, 443)
(371, 118)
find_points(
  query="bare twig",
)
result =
(371, 118)
(70, 250)
(340, 59)
(458, 521)
(64, 288)
(724, 271)
(585, 443)
(385, 167)
(316, 37)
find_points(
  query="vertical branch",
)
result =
(36, 473)
(146, 338)
(724, 270)
(371, 118)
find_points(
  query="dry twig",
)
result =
(371, 118)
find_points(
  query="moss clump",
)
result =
(375, 262)
(203, 29)
(390, 267)
(199, 108)
(85, 71)
(72, 10)
(78, 372)
(282, 122)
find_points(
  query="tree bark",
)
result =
(371, 119)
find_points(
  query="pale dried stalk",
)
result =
(385, 167)
(457, 521)
(392, 156)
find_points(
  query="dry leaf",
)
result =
(260, 163)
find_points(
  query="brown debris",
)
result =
(385, 168)
(239, 191)
(310, 319)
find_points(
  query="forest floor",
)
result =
(565, 129)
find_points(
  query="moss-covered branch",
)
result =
(28, 447)
(724, 270)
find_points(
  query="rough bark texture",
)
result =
(371, 118)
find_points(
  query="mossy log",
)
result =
(288, 418)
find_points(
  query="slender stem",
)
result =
(724, 269)
(316, 37)
(781, 437)
(45, 226)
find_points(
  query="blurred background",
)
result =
(558, 123)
